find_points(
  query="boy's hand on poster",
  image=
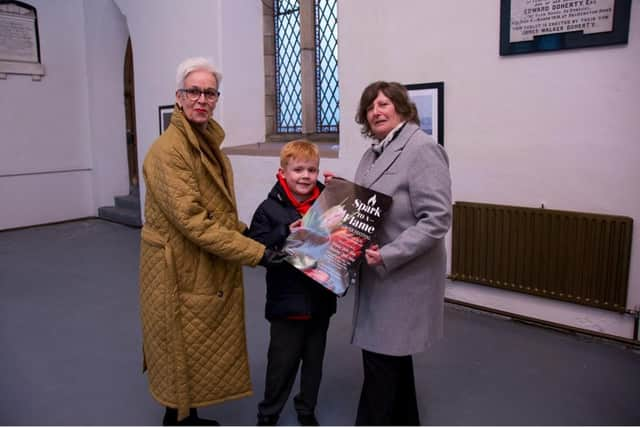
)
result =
(328, 176)
(295, 225)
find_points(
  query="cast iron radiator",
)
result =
(570, 256)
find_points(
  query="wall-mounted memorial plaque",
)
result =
(541, 25)
(19, 42)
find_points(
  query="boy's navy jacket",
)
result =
(290, 293)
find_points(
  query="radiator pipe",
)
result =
(632, 342)
(636, 323)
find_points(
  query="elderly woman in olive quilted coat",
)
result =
(192, 252)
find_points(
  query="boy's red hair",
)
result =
(299, 149)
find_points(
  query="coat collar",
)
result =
(371, 169)
(211, 138)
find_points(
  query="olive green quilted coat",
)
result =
(192, 252)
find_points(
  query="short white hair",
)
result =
(192, 64)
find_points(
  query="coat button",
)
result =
(220, 294)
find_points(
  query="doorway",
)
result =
(130, 118)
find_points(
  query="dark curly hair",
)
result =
(397, 93)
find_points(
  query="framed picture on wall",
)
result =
(543, 25)
(164, 115)
(429, 99)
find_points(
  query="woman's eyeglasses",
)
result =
(194, 93)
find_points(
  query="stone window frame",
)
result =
(328, 143)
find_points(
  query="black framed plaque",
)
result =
(528, 26)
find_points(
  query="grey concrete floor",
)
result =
(70, 350)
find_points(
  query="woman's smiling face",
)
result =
(382, 116)
(199, 111)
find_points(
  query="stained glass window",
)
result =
(288, 74)
(327, 95)
(291, 97)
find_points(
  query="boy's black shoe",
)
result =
(308, 420)
(267, 420)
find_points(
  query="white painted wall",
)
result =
(45, 126)
(242, 99)
(163, 33)
(558, 128)
(106, 37)
(60, 157)
(229, 33)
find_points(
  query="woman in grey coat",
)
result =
(400, 294)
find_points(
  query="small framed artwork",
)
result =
(544, 25)
(164, 115)
(429, 99)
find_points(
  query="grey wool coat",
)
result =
(399, 305)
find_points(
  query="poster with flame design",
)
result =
(340, 224)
